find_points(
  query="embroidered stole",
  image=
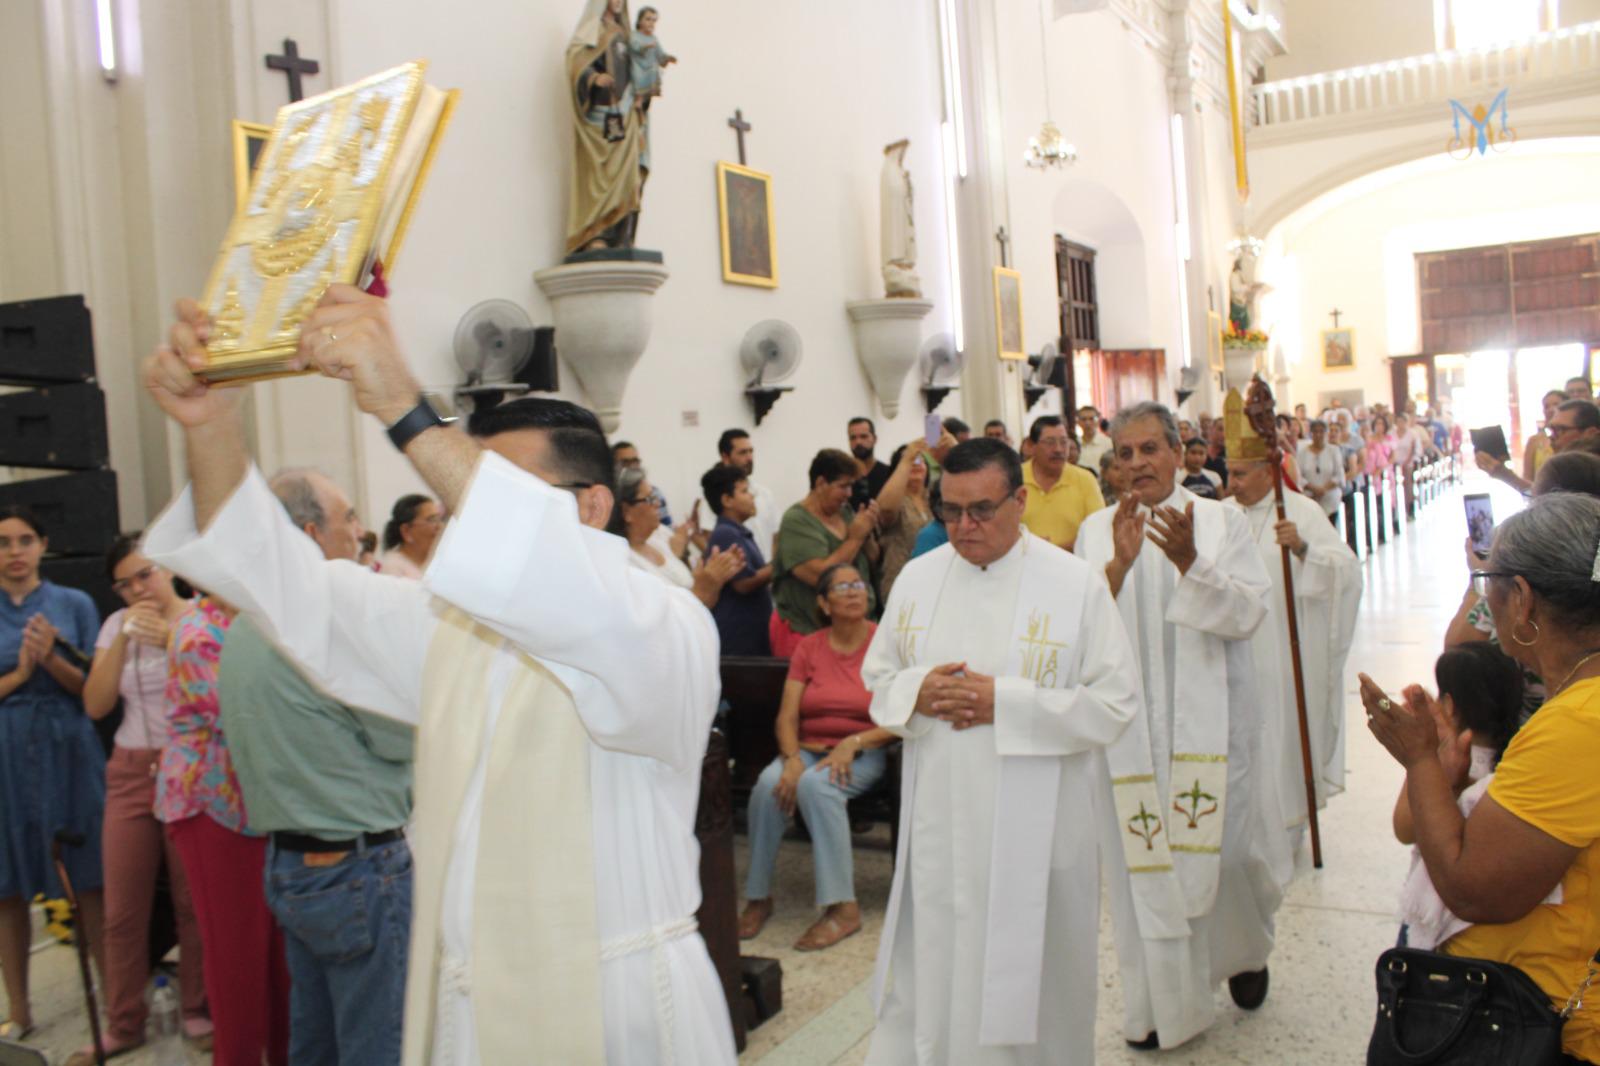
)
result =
(1172, 843)
(534, 971)
(1043, 649)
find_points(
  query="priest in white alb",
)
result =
(1185, 797)
(995, 663)
(1327, 590)
(562, 698)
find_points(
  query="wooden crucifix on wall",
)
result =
(740, 127)
(291, 64)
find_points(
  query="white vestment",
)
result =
(1203, 912)
(989, 950)
(1327, 587)
(638, 658)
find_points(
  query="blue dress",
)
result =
(52, 768)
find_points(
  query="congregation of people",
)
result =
(1070, 657)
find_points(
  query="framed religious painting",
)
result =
(1338, 349)
(248, 140)
(749, 232)
(1008, 313)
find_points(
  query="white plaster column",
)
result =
(990, 387)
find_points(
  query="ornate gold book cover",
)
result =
(333, 191)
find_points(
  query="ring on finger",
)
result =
(1385, 705)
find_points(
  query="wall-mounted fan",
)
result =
(1041, 374)
(939, 365)
(493, 343)
(1188, 382)
(769, 353)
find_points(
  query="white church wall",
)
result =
(1111, 100)
(1325, 36)
(1356, 251)
(826, 87)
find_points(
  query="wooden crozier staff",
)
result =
(1258, 413)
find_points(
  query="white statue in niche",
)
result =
(899, 226)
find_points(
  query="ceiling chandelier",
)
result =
(1049, 148)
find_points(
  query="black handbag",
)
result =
(1441, 1010)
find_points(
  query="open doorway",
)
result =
(1493, 387)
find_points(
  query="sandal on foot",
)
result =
(198, 1031)
(752, 920)
(827, 932)
(15, 1033)
(114, 1048)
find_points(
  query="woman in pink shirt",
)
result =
(1380, 461)
(829, 753)
(130, 664)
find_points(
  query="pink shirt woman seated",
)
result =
(829, 753)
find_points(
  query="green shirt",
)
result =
(307, 763)
(801, 538)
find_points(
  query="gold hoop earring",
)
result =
(1527, 643)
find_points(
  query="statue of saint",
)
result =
(1243, 290)
(899, 225)
(611, 156)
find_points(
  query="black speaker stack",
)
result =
(53, 418)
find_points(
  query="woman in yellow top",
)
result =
(1539, 824)
(1538, 448)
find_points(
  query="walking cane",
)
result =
(1260, 408)
(80, 936)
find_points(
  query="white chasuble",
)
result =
(989, 948)
(563, 699)
(1181, 805)
(1327, 587)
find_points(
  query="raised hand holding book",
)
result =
(332, 196)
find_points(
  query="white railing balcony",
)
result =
(1565, 54)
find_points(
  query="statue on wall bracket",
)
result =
(613, 69)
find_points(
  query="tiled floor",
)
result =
(1331, 928)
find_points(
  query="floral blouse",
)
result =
(196, 774)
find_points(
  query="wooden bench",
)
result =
(753, 689)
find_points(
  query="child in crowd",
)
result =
(1479, 705)
(1196, 478)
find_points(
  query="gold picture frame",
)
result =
(1008, 314)
(1339, 349)
(1214, 357)
(748, 227)
(249, 138)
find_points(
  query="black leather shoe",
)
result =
(1149, 1043)
(1249, 990)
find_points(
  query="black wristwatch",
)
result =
(415, 421)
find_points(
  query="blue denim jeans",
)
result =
(345, 929)
(822, 804)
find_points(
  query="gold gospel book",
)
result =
(332, 194)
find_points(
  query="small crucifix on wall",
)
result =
(1335, 314)
(740, 127)
(1004, 240)
(294, 66)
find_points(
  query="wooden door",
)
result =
(1401, 369)
(1123, 377)
(1080, 315)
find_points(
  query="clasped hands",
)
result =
(952, 693)
(1417, 727)
(347, 336)
(38, 644)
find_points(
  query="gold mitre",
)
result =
(1243, 442)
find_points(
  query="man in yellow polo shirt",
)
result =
(1060, 495)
